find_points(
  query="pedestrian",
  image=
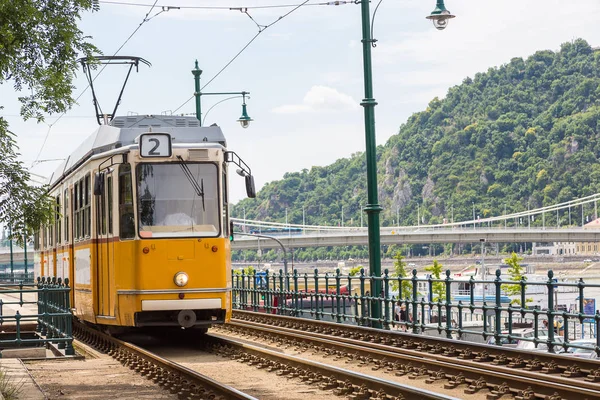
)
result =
(403, 316)
(397, 311)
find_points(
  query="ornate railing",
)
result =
(482, 312)
(53, 317)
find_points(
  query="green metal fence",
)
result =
(463, 309)
(53, 317)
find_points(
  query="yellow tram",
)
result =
(142, 224)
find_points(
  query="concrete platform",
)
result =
(20, 377)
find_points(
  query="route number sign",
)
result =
(155, 145)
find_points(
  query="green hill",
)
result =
(527, 132)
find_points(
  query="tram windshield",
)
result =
(178, 200)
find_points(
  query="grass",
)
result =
(9, 389)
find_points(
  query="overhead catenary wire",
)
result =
(327, 3)
(261, 29)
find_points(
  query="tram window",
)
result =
(126, 216)
(58, 220)
(66, 215)
(75, 213)
(87, 210)
(225, 205)
(110, 204)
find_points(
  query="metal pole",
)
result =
(12, 263)
(303, 220)
(528, 217)
(398, 216)
(25, 250)
(418, 215)
(473, 214)
(197, 72)
(582, 215)
(342, 216)
(285, 266)
(505, 216)
(361, 215)
(373, 208)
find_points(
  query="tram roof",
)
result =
(122, 131)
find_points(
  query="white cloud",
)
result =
(320, 99)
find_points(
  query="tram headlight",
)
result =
(180, 279)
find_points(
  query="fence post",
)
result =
(386, 299)
(448, 283)
(337, 295)
(296, 309)
(550, 312)
(363, 300)
(69, 351)
(62, 321)
(460, 317)
(282, 295)
(414, 301)
(498, 308)
(316, 279)
(38, 328)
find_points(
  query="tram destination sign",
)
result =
(155, 145)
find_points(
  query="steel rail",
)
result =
(342, 375)
(518, 381)
(174, 377)
(558, 363)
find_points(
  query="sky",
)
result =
(304, 72)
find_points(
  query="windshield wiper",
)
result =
(198, 188)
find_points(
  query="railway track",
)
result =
(341, 381)
(177, 379)
(524, 375)
(188, 384)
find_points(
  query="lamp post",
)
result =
(440, 17)
(244, 120)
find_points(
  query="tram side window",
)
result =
(110, 204)
(126, 216)
(66, 214)
(225, 206)
(76, 211)
(87, 206)
(58, 221)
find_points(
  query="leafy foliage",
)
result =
(39, 46)
(438, 288)
(400, 272)
(516, 273)
(526, 133)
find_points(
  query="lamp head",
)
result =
(440, 16)
(244, 120)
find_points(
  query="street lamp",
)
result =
(244, 120)
(441, 15)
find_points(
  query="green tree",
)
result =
(516, 273)
(39, 46)
(439, 288)
(400, 272)
(355, 271)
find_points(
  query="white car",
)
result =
(589, 352)
(530, 346)
(516, 334)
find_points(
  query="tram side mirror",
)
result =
(250, 189)
(98, 184)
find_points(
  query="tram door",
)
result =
(105, 283)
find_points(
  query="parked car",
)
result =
(517, 333)
(583, 353)
(530, 346)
